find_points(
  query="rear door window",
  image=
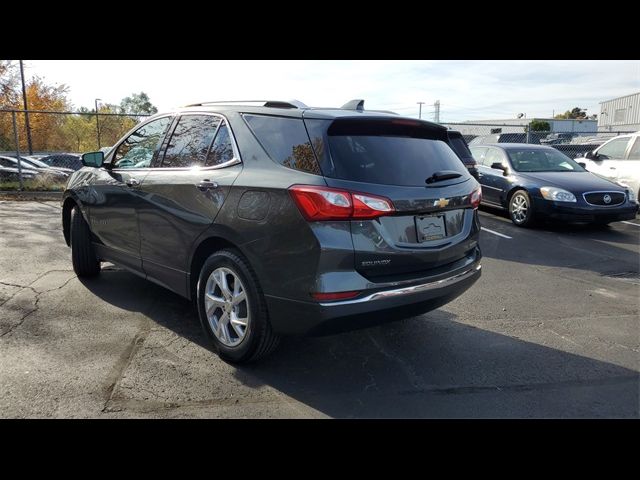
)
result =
(493, 156)
(222, 149)
(479, 154)
(190, 141)
(634, 154)
(395, 152)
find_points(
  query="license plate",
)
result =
(429, 228)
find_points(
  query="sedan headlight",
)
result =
(632, 196)
(557, 194)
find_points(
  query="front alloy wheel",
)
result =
(521, 209)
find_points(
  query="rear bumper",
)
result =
(578, 213)
(291, 317)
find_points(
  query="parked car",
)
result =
(534, 181)
(557, 138)
(279, 219)
(618, 160)
(39, 164)
(65, 160)
(504, 138)
(9, 170)
(41, 168)
(459, 146)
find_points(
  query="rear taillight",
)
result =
(476, 197)
(323, 203)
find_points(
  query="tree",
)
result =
(574, 113)
(137, 103)
(539, 126)
(45, 128)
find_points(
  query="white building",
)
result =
(620, 114)
(516, 125)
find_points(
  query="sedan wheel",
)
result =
(521, 209)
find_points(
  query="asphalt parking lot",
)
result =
(552, 329)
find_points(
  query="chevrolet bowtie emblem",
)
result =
(443, 202)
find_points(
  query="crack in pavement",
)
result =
(524, 387)
(35, 305)
(412, 376)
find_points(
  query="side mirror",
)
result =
(591, 155)
(93, 159)
(500, 166)
(582, 164)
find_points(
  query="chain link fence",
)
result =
(40, 153)
(42, 156)
(572, 144)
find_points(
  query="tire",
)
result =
(83, 256)
(234, 344)
(521, 210)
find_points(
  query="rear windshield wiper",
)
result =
(441, 175)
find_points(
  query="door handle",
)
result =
(612, 168)
(205, 185)
(132, 182)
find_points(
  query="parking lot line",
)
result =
(496, 233)
(630, 223)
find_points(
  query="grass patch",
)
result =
(35, 185)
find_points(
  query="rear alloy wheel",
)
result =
(232, 308)
(521, 209)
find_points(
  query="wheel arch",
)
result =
(67, 205)
(209, 243)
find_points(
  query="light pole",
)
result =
(420, 109)
(98, 123)
(26, 108)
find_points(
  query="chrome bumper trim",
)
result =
(398, 292)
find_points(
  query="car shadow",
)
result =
(600, 249)
(432, 366)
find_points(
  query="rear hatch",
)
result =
(434, 223)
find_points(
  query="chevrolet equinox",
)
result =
(280, 219)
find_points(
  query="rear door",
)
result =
(183, 193)
(394, 158)
(494, 182)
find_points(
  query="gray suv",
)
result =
(280, 219)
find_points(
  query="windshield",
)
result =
(541, 160)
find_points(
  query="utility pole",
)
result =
(436, 115)
(26, 108)
(420, 109)
(98, 123)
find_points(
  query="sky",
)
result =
(467, 90)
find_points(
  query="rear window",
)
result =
(382, 152)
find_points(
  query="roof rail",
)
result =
(265, 103)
